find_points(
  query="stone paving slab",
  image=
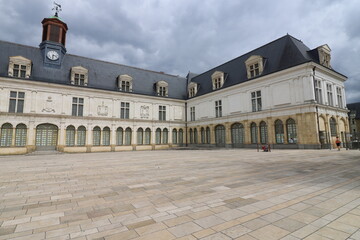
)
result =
(182, 194)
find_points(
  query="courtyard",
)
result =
(181, 194)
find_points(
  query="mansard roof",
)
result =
(280, 54)
(102, 75)
(354, 107)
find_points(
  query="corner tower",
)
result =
(53, 40)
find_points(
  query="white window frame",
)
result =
(125, 83)
(24, 67)
(192, 113)
(124, 110)
(339, 97)
(318, 91)
(254, 66)
(329, 92)
(16, 100)
(218, 108)
(162, 113)
(79, 72)
(256, 102)
(217, 79)
(78, 106)
(162, 89)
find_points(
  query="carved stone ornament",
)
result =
(144, 112)
(49, 106)
(102, 110)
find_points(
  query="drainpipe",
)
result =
(186, 126)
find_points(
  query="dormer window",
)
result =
(79, 76)
(254, 66)
(324, 55)
(19, 67)
(217, 80)
(125, 83)
(162, 88)
(192, 89)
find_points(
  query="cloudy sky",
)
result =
(178, 36)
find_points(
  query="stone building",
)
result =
(282, 93)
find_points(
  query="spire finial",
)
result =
(57, 9)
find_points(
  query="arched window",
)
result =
(237, 134)
(208, 136)
(174, 136)
(140, 133)
(96, 136)
(220, 135)
(6, 135)
(181, 136)
(202, 133)
(253, 131)
(333, 130)
(195, 136)
(158, 136)
(191, 136)
(81, 136)
(279, 131)
(147, 136)
(119, 136)
(263, 133)
(291, 130)
(165, 136)
(20, 135)
(106, 136)
(70, 136)
(128, 136)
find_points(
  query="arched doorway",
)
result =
(220, 136)
(46, 137)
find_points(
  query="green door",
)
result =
(46, 137)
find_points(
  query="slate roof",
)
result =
(101, 75)
(354, 107)
(279, 54)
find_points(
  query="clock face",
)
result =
(52, 55)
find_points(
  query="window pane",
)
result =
(21, 95)
(20, 107)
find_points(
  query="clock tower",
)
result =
(53, 41)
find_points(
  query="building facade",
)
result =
(282, 93)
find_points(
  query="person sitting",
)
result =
(264, 148)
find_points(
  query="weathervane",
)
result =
(57, 9)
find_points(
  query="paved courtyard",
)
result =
(183, 194)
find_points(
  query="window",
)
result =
(16, 102)
(256, 101)
(329, 94)
(324, 52)
(119, 136)
(79, 79)
(174, 136)
(6, 135)
(291, 130)
(106, 136)
(125, 83)
(162, 88)
(165, 136)
(181, 136)
(81, 136)
(339, 97)
(220, 135)
(147, 136)
(192, 113)
(79, 76)
(318, 91)
(218, 109)
(202, 133)
(254, 66)
(124, 111)
(128, 136)
(192, 88)
(20, 135)
(279, 131)
(217, 80)
(19, 67)
(253, 131)
(19, 71)
(140, 136)
(237, 134)
(254, 70)
(96, 136)
(263, 133)
(70, 136)
(77, 106)
(207, 135)
(158, 136)
(333, 130)
(162, 113)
